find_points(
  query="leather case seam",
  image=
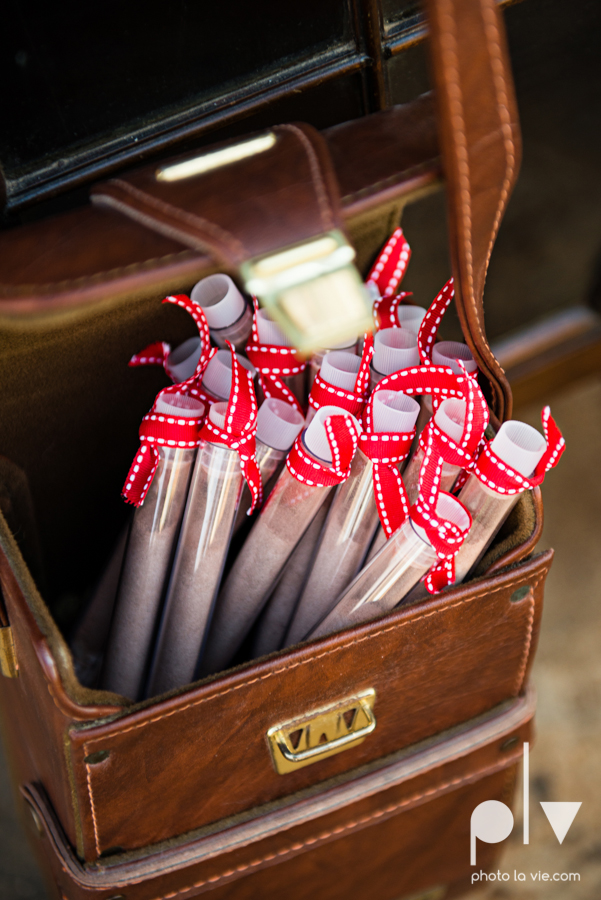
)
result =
(348, 827)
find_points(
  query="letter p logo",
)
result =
(492, 821)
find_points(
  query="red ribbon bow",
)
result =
(273, 361)
(324, 394)
(157, 353)
(386, 450)
(240, 427)
(495, 474)
(341, 432)
(446, 539)
(158, 429)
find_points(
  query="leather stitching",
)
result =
(349, 826)
(528, 644)
(187, 218)
(304, 662)
(489, 15)
(312, 659)
(325, 208)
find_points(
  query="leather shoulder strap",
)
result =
(481, 151)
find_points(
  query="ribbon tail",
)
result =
(391, 497)
(140, 475)
(154, 355)
(252, 475)
(440, 576)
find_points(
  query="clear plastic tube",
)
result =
(278, 425)
(201, 553)
(382, 584)
(351, 523)
(450, 417)
(182, 361)
(339, 368)
(217, 379)
(410, 317)
(149, 552)
(394, 349)
(287, 514)
(228, 314)
(276, 615)
(271, 333)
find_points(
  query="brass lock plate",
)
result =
(323, 732)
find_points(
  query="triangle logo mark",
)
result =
(560, 816)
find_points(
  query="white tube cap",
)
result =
(519, 446)
(217, 413)
(180, 405)
(217, 378)
(450, 417)
(394, 411)
(410, 317)
(182, 362)
(315, 434)
(269, 331)
(278, 424)
(446, 353)
(394, 349)
(222, 302)
(339, 368)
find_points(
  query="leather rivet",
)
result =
(520, 593)
(509, 744)
(94, 758)
(35, 818)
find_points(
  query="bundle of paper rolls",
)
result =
(280, 499)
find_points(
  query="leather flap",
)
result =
(283, 193)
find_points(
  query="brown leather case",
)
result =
(179, 795)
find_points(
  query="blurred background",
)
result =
(68, 120)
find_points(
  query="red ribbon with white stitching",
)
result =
(389, 268)
(341, 432)
(157, 353)
(438, 449)
(431, 322)
(386, 450)
(324, 394)
(273, 363)
(240, 426)
(157, 430)
(495, 474)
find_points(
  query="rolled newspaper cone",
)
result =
(353, 518)
(228, 314)
(278, 425)
(399, 565)
(394, 349)
(311, 473)
(150, 548)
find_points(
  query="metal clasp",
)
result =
(313, 290)
(8, 655)
(322, 733)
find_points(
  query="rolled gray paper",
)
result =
(198, 566)
(351, 523)
(152, 539)
(289, 511)
(382, 584)
(276, 616)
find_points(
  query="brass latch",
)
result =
(8, 656)
(322, 733)
(313, 290)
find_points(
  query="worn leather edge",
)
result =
(418, 760)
